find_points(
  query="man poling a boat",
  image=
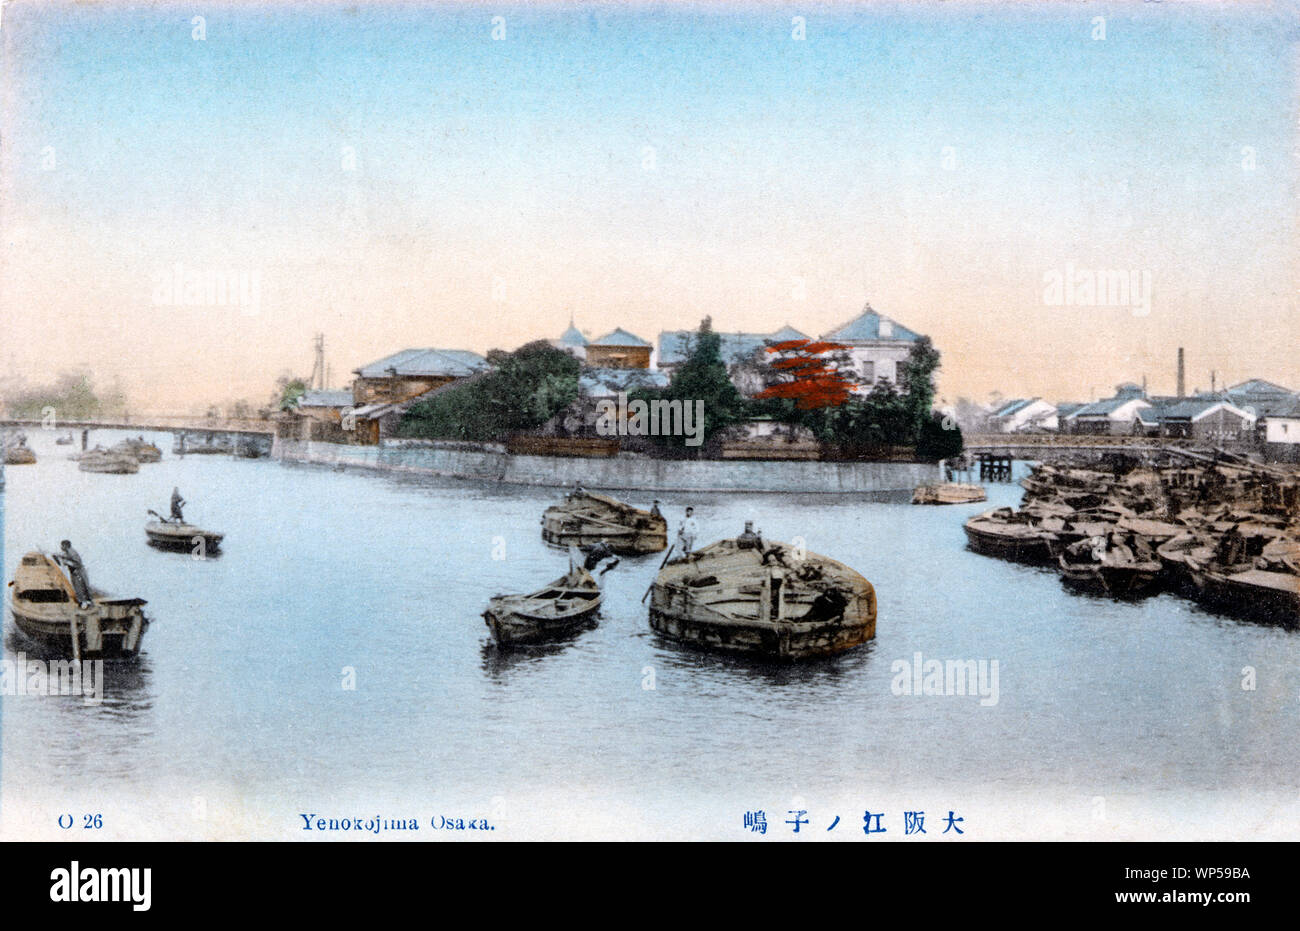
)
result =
(71, 561)
(177, 503)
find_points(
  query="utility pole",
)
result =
(318, 366)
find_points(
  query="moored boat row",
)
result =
(1224, 534)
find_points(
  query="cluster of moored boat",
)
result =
(742, 595)
(122, 458)
(1224, 533)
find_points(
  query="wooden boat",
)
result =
(948, 493)
(1175, 555)
(45, 610)
(140, 450)
(168, 534)
(1008, 534)
(1112, 564)
(585, 517)
(19, 455)
(765, 600)
(65, 440)
(108, 461)
(1260, 594)
(566, 605)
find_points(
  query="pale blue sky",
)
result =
(523, 160)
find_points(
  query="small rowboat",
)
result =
(948, 493)
(168, 534)
(566, 605)
(45, 610)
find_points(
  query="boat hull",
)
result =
(736, 599)
(1030, 550)
(509, 627)
(559, 532)
(566, 606)
(785, 642)
(182, 540)
(1232, 595)
(586, 518)
(114, 638)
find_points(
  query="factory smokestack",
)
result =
(1182, 374)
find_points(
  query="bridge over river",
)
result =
(248, 437)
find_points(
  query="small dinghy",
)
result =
(566, 605)
(65, 440)
(948, 493)
(45, 609)
(166, 533)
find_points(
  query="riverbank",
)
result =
(621, 473)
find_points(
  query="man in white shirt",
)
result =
(687, 532)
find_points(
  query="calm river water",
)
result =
(1112, 719)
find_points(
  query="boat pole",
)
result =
(661, 569)
(76, 640)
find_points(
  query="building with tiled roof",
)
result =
(412, 372)
(619, 349)
(877, 346)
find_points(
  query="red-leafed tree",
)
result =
(808, 373)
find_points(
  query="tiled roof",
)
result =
(331, 398)
(1191, 408)
(734, 347)
(417, 362)
(620, 337)
(572, 337)
(866, 326)
(1103, 408)
(1011, 407)
(601, 382)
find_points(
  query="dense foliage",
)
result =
(805, 388)
(702, 377)
(525, 389)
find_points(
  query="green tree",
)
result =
(918, 386)
(701, 377)
(288, 390)
(524, 390)
(940, 438)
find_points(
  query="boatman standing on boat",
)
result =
(77, 572)
(177, 503)
(687, 532)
